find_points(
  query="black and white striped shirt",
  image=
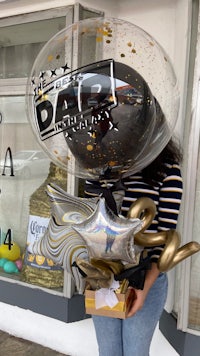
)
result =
(166, 195)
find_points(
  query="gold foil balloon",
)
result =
(104, 90)
(172, 253)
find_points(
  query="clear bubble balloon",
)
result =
(104, 91)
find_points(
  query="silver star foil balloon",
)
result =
(109, 236)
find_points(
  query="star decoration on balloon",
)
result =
(65, 67)
(109, 236)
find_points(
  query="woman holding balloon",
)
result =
(161, 181)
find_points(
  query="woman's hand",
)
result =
(140, 295)
(138, 302)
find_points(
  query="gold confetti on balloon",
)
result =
(44, 97)
(90, 147)
(99, 39)
(50, 58)
(112, 163)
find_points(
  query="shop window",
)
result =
(25, 169)
(21, 43)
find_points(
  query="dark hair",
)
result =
(155, 171)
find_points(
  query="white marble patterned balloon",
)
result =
(60, 242)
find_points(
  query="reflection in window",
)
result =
(20, 44)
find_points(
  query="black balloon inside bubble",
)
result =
(114, 117)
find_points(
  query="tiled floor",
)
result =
(10, 346)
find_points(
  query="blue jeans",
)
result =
(132, 336)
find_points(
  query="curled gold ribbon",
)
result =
(172, 254)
